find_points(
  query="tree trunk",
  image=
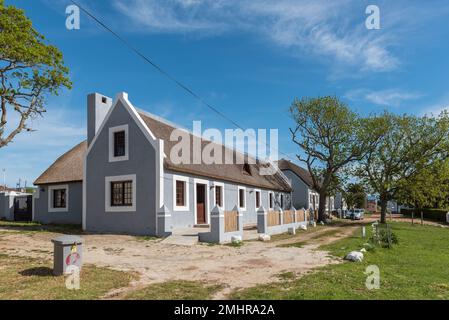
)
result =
(322, 207)
(383, 209)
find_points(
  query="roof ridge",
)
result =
(176, 126)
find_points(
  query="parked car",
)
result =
(357, 214)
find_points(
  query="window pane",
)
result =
(180, 196)
(59, 198)
(128, 193)
(218, 199)
(241, 198)
(257, 199)
(119, 144)
(63, 196)
(116, 193)
(122, 193)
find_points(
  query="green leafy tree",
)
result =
(409, 144)
(30, 69)
(331, 136)
(355, 195)
(427, 188)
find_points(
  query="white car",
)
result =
(358, 214)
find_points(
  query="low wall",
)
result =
(6, 206)
(266, 219)
(221, 224)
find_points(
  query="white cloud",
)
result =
(385, 98)
(320, 28)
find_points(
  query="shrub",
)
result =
(383, 236)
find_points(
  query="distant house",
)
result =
(303, 193)
(122, 179)
(7, 197)
(5, 189)
(371, 205)
(340, 202)
(393, 206)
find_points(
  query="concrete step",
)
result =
(184, 237)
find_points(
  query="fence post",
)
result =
(262, 220)
(239, 218)
(422, 218)
(295, 220)
(413, 216)
(217, 224)
(281, 215)
(217, 227)
(163, 222)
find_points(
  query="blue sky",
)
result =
(248, 58)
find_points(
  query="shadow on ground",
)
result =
(37, 271)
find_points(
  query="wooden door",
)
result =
(200, 204)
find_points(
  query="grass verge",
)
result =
(412, 269)
(31, 227)
(31, 279)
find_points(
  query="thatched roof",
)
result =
(228, 172)
(69, 167)
(302, 173)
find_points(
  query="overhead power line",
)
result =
(165, 73)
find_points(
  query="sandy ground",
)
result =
(251, 264)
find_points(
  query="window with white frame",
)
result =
(270, 200)
(120, 193)
(58, 198)
(242, 198)
(219, 194)
(257, 198)
(118, 143)
(180, 193)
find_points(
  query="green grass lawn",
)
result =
(175, 290)
(415, 268)
(30, 279)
